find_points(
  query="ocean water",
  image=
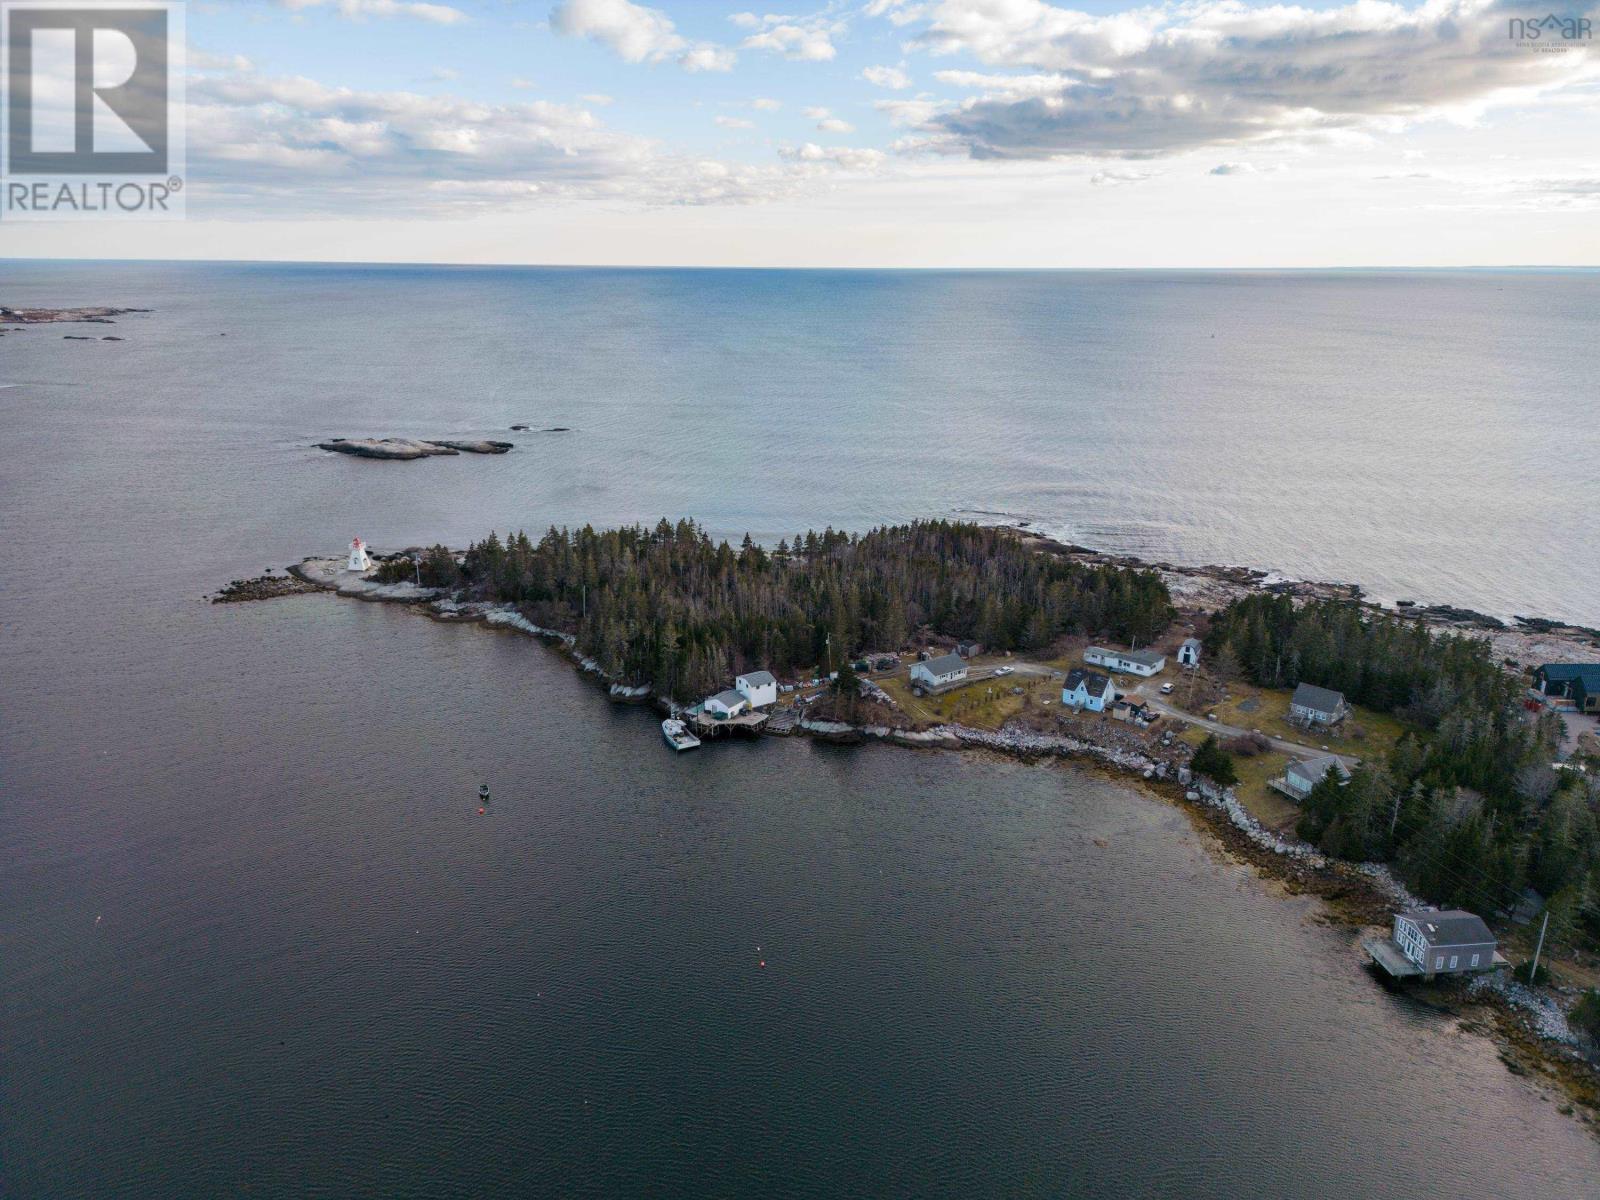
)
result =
(257, 940)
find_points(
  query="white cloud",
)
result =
(1179, 76)
(803, 39)
(816, 112)
(294, 147)
(707, 57)
(1120, 178)
(1233, 168)
(835, 125)
(204, 60)
(766, 104)
(598, 99)
(734, 122)
(522, 85)
(915, 112)
(637, 34)
(848, 157)
(892, 78)
(438, 14)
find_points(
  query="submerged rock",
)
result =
(475, 446)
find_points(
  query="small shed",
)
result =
(1189, 653)
(726, 704)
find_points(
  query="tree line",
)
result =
(1468, 806)
(671, 608)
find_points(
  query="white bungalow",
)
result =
(938, 673)
(726, 704)
(1133, 662)
(1189, 653)
(1088, 690)
(760, 688)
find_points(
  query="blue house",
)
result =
(1088, 689)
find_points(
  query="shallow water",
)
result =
(257, 938)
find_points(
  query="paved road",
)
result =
(1296, 749)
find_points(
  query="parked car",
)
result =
(1003, 670)
(1166, 689)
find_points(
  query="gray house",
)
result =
(1444, 942)
(1304, 774)
(1313, 705)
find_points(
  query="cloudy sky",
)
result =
(1012, 133)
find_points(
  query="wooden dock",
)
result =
(782, 721)
(744, 725)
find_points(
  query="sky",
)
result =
(903, 133)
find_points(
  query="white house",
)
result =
(1312, 705)
(726, 704)
(1189, 653)
(938, 673)
(758, 687)
(1088, 689)
(360, 560)
(1133, 662)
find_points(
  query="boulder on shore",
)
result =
(410, 448)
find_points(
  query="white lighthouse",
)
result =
(360, 560)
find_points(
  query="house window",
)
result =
(1474, 960)
(1454, 959)
(1438, 963)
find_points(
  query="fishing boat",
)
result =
(678, 735)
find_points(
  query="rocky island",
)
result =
(406, 449)
(56, 316)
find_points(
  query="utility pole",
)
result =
(1533, 971)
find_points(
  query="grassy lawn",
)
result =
(1272, 808)
(986, 704)
(1250, 707)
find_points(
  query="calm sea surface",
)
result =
(255, 939)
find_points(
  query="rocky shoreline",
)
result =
(1527, 1024)
(1525, 640)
